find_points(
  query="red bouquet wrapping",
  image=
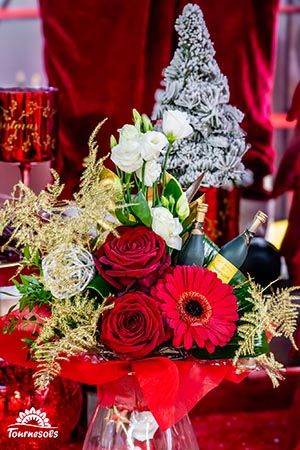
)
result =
(169, 389)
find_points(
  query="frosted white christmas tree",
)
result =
(193, 83)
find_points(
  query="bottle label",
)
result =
(224, 269)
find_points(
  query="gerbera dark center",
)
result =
(193, 308)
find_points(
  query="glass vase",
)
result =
(117, 428)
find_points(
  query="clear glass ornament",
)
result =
(119, 429)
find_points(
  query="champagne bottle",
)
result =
(192, 253)
(232, 255)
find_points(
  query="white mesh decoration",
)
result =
(67, 270)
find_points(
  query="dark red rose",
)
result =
(137, 258)
(133, 328)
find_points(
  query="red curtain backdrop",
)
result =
(288, 179)
(106, 57)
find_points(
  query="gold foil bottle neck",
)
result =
(259, 219)
(201, 211)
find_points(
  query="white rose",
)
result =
(175, 125)
(152, 144)
(142, 426)
(152, 172)
(128, 132)
(166, 226)
(127, 155)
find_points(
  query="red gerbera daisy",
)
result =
(198, 307)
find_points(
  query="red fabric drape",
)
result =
(106, 56)
(288, 179)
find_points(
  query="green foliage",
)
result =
(182, 207)
(141, 209)
(260, 347)
(33, 292)
(175, 200)
(137, 119)
(173, 189)
(146, 123)
(124, 216)
(31, 258)
(101, 287)
(13, 322)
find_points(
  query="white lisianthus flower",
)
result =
(127, 155)
(152, 144)
(166, 226)
(175, 125)
(128, 132)
(152, 172)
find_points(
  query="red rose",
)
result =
(134, 327)
(137, 258)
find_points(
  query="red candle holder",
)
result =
(28, 126)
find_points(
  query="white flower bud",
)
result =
(175, 125)
(128, 132)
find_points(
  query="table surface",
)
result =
(9, 296)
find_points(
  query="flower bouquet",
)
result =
(116, 299)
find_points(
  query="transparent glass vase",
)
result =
(117, 428)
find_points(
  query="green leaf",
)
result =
(113, 141)
(137, 119)
(25, 279)
(123, 216)
(146, 122)
(182, 207)
(36, 259)
(173, 189)
(141, 209)
(12, 326)
(28, 341)
(228, 352)
(101, 286)
(164, 201)
(27, 252)
(33, 292)
(31, 259)
(17, 284)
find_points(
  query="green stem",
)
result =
(127, 182)
(156, 194)
(137, 181)
(164, 172)
(120, 174)
(143, 176)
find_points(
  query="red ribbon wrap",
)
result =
(169, 389)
